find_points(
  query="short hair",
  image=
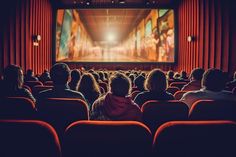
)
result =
(156, 81)
(60, 73)
(13, 76)
(29, 72)
(183, 74)
(139, 82)
(197, 74)
(214, 80)
(120, 85)
(75, 75)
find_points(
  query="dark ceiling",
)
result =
(114, 3)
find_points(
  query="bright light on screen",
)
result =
(115, 35)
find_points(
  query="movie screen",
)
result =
(115, 35)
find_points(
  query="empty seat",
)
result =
(156, 113)
(179, 94)
(27, 138)
(196, 139)
(17, 108)
(107, 138)
(60, 112)
(31, 84)
(178, 84)
(172, 90)
(213, 110)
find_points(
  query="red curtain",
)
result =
(211, 23)
(20, 20)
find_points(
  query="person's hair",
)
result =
(197, 74)
(139, 82)
(75, 75)
(176, 75)
(120, 85)
(183, 74)
(213, 80)
(170, 74)
(101, 75)
(89, 87)
(156, 81)
(13, 76)
(60, 73)
(96, 76)
(29, 72)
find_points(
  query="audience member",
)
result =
(75, 78)
(195, 80)
(232, 83)
(45, 76)
(89, 88)
(30, 76)
(170, 75)
(12, 83)
(116, 105)
(156, 85)
(213, 83)
(60, 74)
(183, 75)
(139, 83)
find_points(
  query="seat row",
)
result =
(118, 138)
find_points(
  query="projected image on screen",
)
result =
(115, 35)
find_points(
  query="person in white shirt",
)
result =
(213, 83)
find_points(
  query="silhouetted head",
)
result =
(60, 73)
(29, 72)
(75, 75)
(139, 82)
(13, 76)
(197, 74)
(183, 74)
(214, 80)
(156, 81)
(120, 85)
(170, 74)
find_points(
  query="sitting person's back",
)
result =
(213, 83)
(11, 85)
(116, 105)
(195, 80)
(155, 85)
(30, 76)
(60, 74)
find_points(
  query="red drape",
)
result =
(20, 20)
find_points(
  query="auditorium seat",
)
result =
(17, 108)
(48, 83)
(31, 84)
(172, 90)
(178, 95)
(61, 112)
(156, 113)
(107, 139)
(178, 84)
(195, 139)
(28, 138)
(213, 110)
(134, 94)
(27, 87)
(39, 88)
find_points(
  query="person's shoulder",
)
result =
(98, 102)
(193, 93)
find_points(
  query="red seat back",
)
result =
(39, 88)
(61, 112)
(179, 94)
(17, 108)
(172, 90)
(156, 113)
(178, 84)
(48, 83)
(213, 110)
(31, 84)
(107, 138)
(27, 138)
(195, 139)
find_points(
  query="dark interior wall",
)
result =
(212, 24)
(20, 20)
